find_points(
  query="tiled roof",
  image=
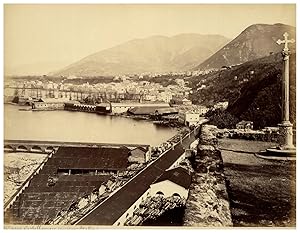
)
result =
(115, 206)
(40, 202)
(178, 176)
(92, 158)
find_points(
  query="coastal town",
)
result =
(169, 107)
(137, 98)
(147, 127)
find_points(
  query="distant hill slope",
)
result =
(253, 90)
(152, 54)
(256, 41)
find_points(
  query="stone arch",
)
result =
(36, 148)
(21, 147)
(160, 193)
(8, 148)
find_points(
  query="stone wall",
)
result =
(208, 203)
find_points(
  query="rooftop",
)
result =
(132, 104)
(54, 100)
(114, 207)
(162, 111)
(140, 148)
(143, 110)
(40, 202)
(178, 176)
(92, 158)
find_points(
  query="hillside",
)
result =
(253, 90)
(256, 41)
(152, 54)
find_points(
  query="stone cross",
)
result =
(285, 128)
(285, 41)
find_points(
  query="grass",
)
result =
(262, 192)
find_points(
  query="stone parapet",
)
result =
(208, 203)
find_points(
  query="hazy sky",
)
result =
(43, 38)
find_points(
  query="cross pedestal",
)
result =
(286, 148)
(286, 136)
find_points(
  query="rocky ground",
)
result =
(262, 192)
(17, 168)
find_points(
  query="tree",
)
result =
(222, 119)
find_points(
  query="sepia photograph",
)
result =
(135, 116)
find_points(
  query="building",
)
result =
(73, 106)
(65, 178)
(164, 96)
(173, 182)
(142, 110)
(163, 112)
(180, 101)
(188, 118)
(103, 108)
(185, 101)
(180, 82)
(149, 97)
(221, 105)
(123, 107)
(124, 202)
(244, 125)
(203, 110)
(176, 179)
(139, 155)
(49, 104)
(85, 160)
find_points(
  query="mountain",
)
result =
(253, 90)
(152, 54)
(256, 41)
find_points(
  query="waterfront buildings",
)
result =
(188, 117)
(124, 107)
(49, 104)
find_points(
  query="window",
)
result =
(160, 193)
(176, 195)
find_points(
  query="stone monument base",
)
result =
(277, 153)
(286, 149)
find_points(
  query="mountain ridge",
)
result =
(256, 41)
(151, 54)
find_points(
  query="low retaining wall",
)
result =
(208, 203)
(259, 136)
